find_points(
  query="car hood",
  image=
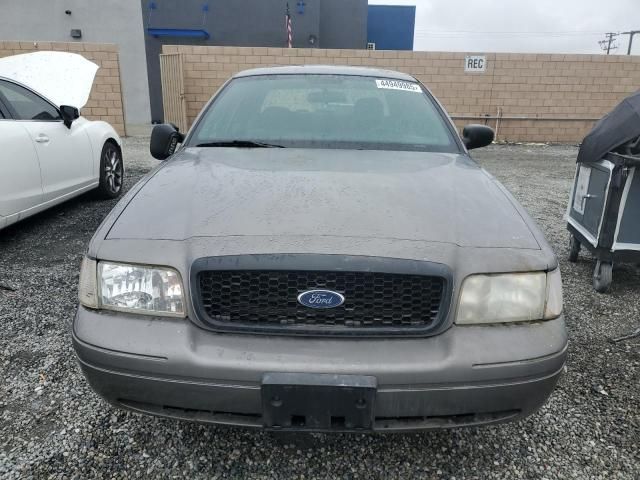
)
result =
(63, 78)
(415, 196)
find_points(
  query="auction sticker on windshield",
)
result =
(398, 85)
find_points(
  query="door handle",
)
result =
(42, 138)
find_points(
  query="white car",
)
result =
(49, 152)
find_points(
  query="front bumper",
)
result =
(464, 376)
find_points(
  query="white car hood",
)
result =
(63, 78)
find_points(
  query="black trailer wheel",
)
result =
(602, 276)
(574, 249)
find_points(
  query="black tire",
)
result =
(602, 276)
(574, 249)
(111, 171)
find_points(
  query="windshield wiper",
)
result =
(239, 144)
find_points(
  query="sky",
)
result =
(544, 26)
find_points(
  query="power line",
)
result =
(607, 44)
(510, 33)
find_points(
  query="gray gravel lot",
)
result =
(54, 426)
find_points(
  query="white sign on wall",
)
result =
(475, 63)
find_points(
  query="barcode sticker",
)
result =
(399, 85)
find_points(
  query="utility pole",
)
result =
(631, 34)
(607, 43)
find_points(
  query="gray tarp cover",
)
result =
(613, 130)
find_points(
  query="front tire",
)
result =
(111, 171)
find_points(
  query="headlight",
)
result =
(510, 297)
(131, 288)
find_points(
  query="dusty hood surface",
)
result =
(63, 78)
(220, 192)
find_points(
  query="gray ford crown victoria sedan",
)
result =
(321, 253)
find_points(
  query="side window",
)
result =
(4, 111)
(26, 104)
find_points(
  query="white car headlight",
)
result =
(510, 297)
(131, 288)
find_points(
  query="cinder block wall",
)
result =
(541, 97)
(105, 101)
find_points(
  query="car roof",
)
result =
(7, 79)
(326, 70)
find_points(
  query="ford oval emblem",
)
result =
(320, 299)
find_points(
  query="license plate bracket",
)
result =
(303, 401)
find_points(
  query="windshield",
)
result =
(325, 111)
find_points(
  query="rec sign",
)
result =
(475, 63)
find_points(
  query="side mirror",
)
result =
(477, 136)
(164, 140)
(69, 114)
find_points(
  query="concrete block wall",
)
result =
(541, 97)
(105, 101)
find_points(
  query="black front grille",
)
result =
(268, 299)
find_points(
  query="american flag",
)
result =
(287, 19)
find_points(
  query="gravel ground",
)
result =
(54, 426)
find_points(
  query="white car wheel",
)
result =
(111, 171)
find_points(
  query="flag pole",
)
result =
(289, 30)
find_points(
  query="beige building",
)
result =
(525, 97)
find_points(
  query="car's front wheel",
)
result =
(111, 171)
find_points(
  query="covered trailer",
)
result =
(604, 209)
